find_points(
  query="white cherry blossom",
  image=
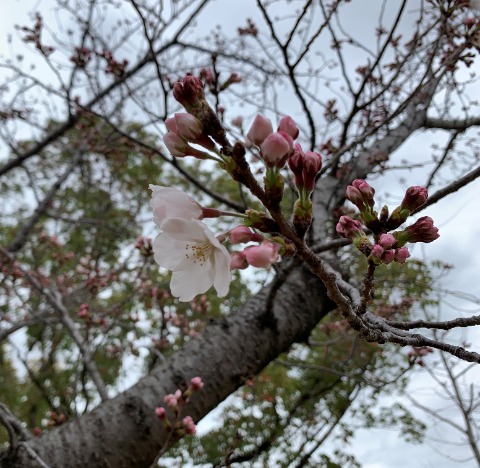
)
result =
(168, 203)
(196, 257)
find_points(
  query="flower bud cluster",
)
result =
(189, 92)
(384, 251)
(275, 147)
(305, 168)
(388, 247)
(144, 245)
(176, 402)
(417, 353)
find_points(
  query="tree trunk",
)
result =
(125, 432)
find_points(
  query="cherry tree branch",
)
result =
(453, 124)
(461, 322)
(450, 188)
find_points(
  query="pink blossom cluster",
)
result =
(385, 252)
(417, 353)
(82, 57)
(114, 66)
(95, 276)
(388, 247)
(144, 245)
(250, 30)
(275, 147)
(176, 402)
(305, 167)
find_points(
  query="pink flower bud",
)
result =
(240, 235)
(263, 255)
(237, 122)
(185, 125)
(311, 167)
(354, 195)
(295, 163)
(401, 255)
(388, 256)
(387, 241)
(170, 400)
(177, 146)
(233, 78)
(377, 252)
(189, 425)
(422, 230)
(360, 193)
(276, 148)
(207, 75)
(414, 198)
(349, 228)
(189, 92)
(260, 129)
(161, 412)
(187, 420)
(238, 261)
(196, 384)
(288, 126)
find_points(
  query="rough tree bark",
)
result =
(124, 431)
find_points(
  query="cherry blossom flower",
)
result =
(168, 202)
(197, 258)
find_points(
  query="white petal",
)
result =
(186, 283)
(168, 251)
(168, 202)
(223, 276)
(189, 230)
